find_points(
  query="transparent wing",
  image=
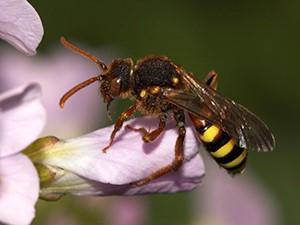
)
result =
(201, 100)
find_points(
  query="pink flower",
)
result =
(79, 167)
(22, 118)
(20, 25)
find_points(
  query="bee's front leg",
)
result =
(118, 125)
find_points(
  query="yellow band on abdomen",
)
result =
(224, 150)
(210, 134)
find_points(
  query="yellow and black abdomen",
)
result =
(222, 147)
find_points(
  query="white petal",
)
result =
(20, 25)
(129, 159)
(19, 188)
(22, 119)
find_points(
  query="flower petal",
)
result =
(128, 160)
(20, 25)
(187, 178)
(19, 190)
(81, 168)
(23, 118)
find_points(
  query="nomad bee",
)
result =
(159, 87)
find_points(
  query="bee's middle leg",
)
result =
(179, 152)
(149, 136)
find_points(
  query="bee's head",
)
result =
(115, 80)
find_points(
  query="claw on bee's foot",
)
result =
(104, 150)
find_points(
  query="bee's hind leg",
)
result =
(179, 153)
(211, 79)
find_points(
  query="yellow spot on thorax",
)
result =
(237, 161)
(143, 93)
(224, 150)
(210, 134)
(175, 80)
(155, 90)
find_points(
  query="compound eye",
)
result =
(115, 87)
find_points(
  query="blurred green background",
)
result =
(253, 45)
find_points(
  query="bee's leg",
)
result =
(119, 124)
(149, 136)
(179, 152)
(211, 79)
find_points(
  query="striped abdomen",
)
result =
(221, 147)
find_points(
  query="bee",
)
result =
(159, 87)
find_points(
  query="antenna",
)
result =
(100, 65)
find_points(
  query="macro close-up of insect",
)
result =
(149, 112)
(158, 87)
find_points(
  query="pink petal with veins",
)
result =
(19, 190)
(20, 25)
